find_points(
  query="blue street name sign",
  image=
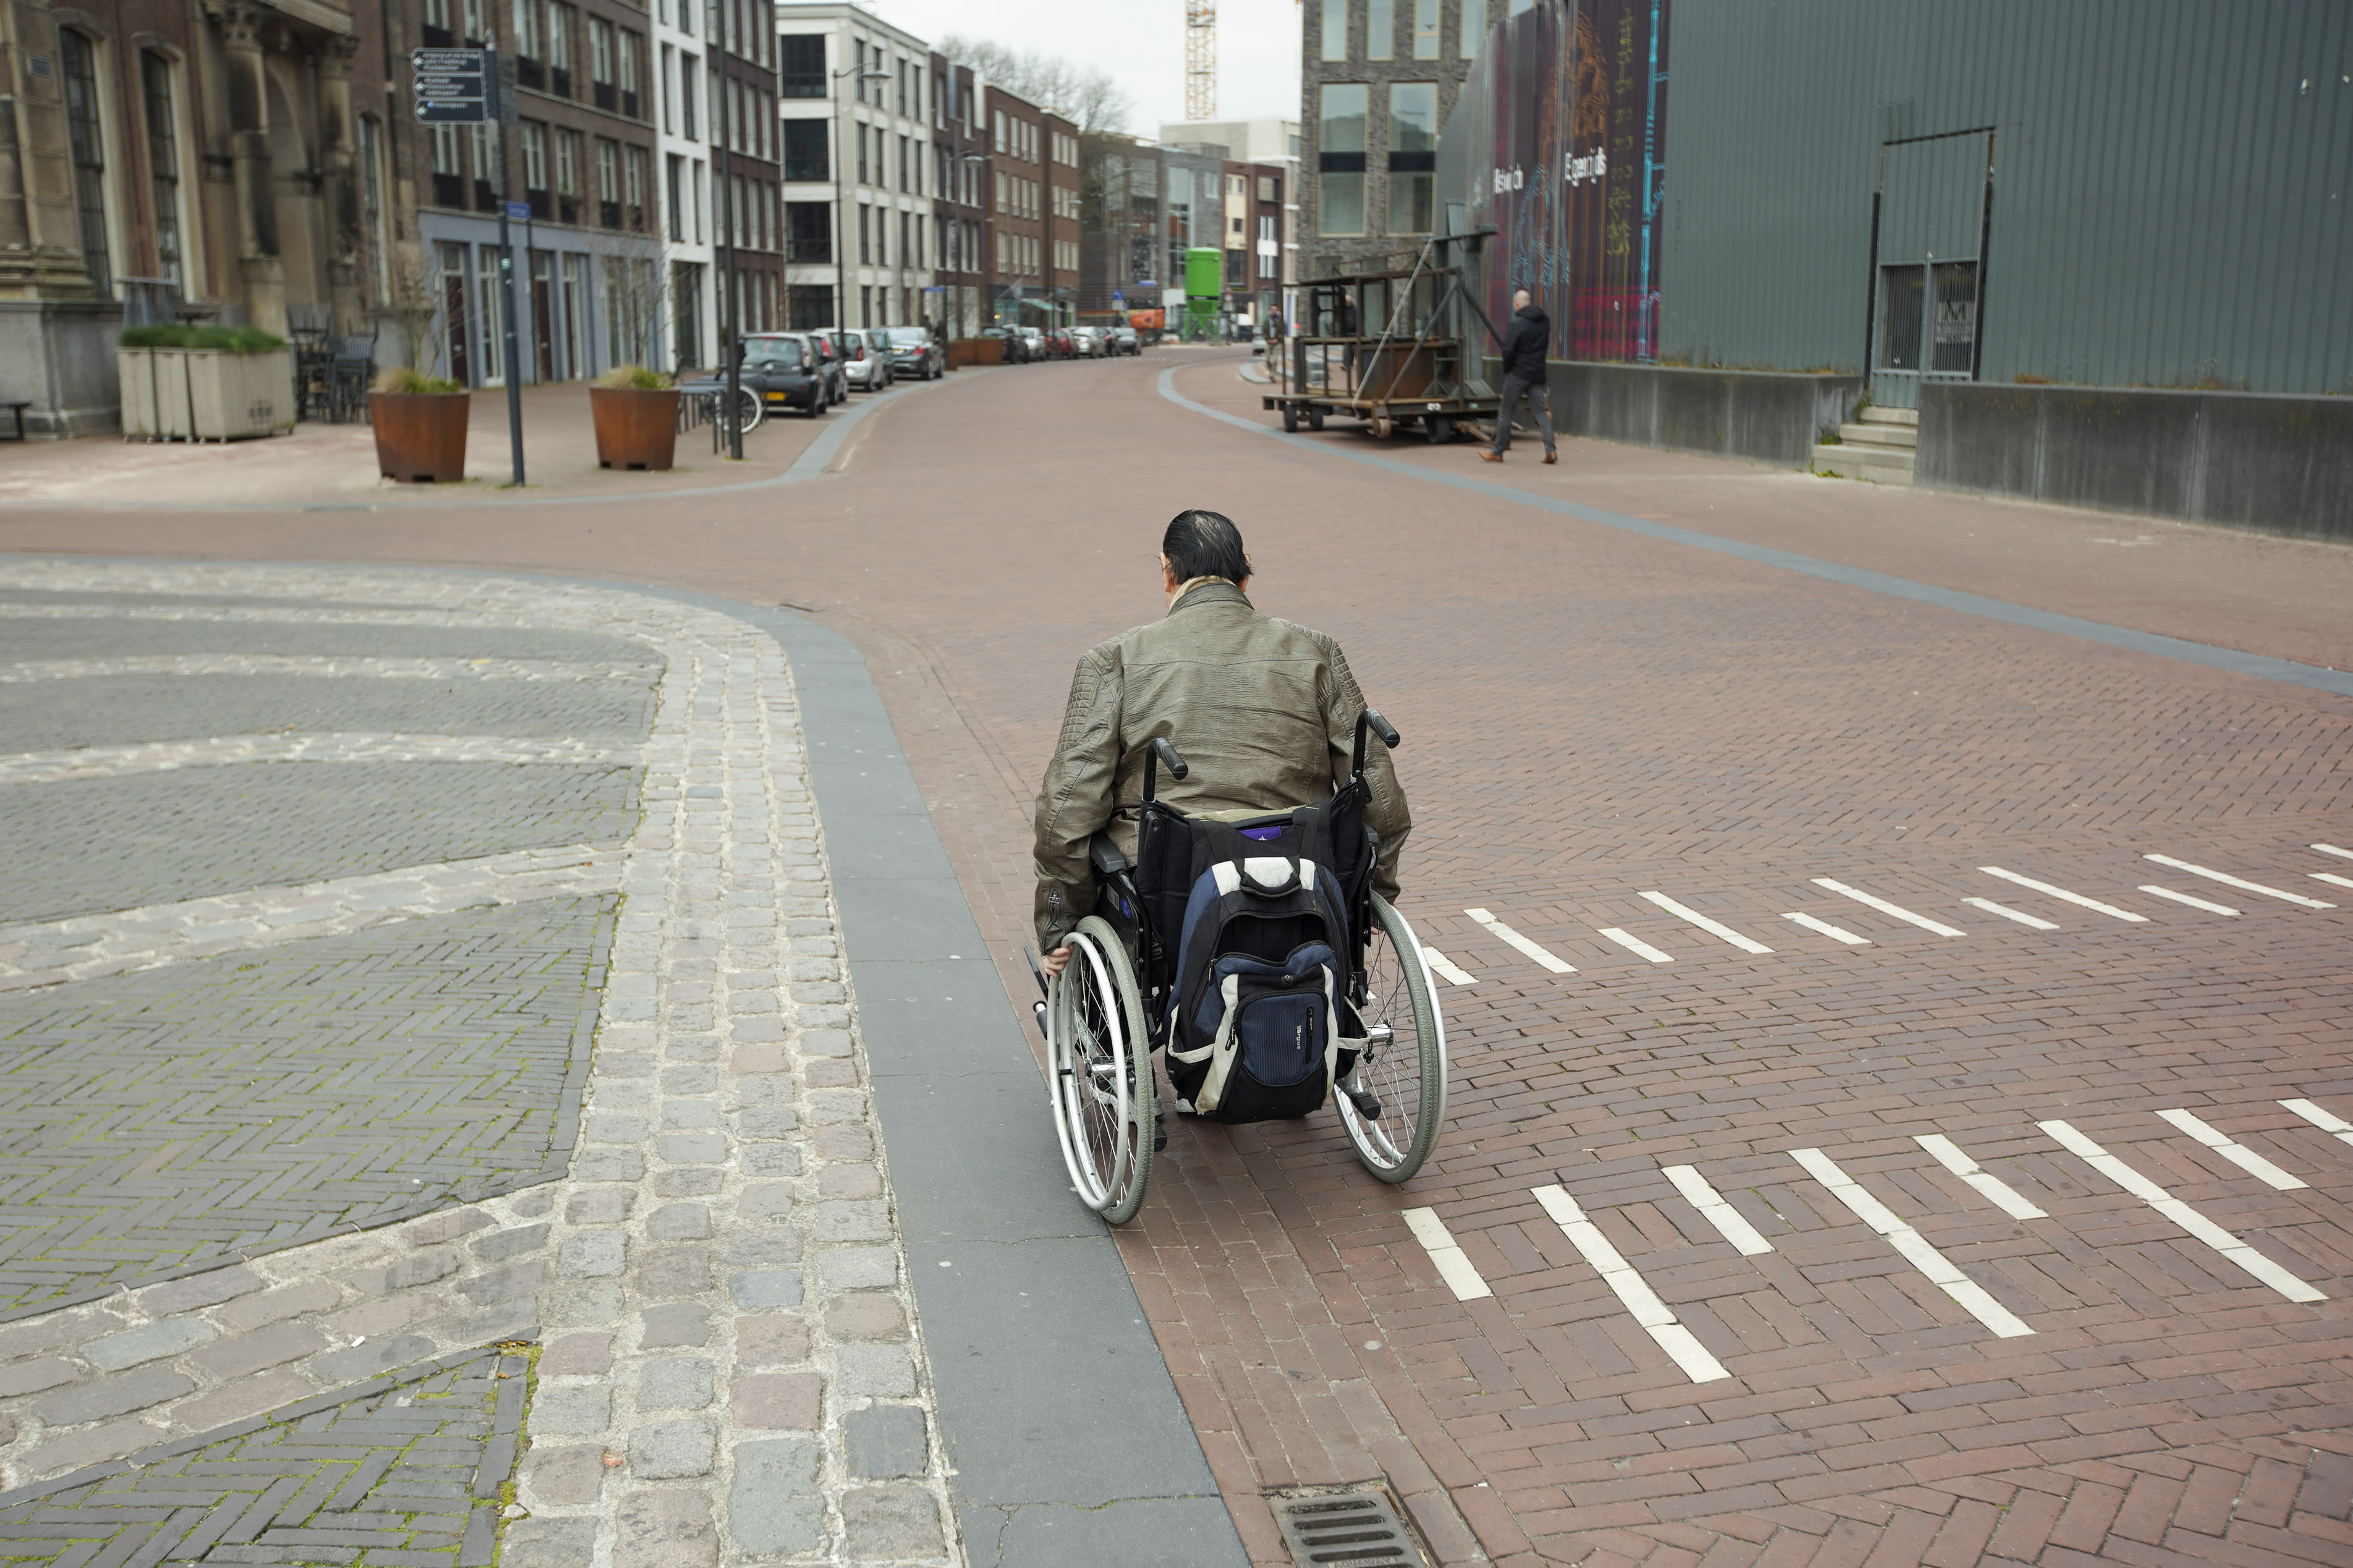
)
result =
(518, 212)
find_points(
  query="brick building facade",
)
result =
(1377, 78)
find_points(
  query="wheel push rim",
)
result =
(1093, 1107)
(1391, 1071)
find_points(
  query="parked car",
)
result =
(915, 352)
(826, 342)
(863, 365)
(1123, 341)
(1017, 347)
(781, 368)
(1038, 347)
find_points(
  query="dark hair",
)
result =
(1205, 545)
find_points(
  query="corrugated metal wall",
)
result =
(2171, 182)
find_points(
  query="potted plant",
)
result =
(184, 382)
(420, 427)
(635, 414)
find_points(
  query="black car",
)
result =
(781, 368)
(915, 352)
(1017, 347)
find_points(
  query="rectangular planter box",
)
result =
(206, 395)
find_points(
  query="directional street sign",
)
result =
(454, 87)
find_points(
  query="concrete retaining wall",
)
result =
(1764, 415)
(2277, 463)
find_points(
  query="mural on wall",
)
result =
(1565, 116)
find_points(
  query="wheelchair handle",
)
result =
(1370, 719)
(1161, 752)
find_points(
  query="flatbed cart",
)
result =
(1387, 348)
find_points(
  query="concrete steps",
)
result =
(1879, 446)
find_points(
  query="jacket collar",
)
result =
(1219, 593)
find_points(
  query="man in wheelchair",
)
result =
(1235, 877)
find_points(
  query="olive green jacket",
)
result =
(1264, 713)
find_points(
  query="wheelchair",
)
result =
(1114, 1007)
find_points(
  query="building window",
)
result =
(89, 148)
(633, 188)
(865, 233)
(689, 78)
(809, 231)
(1380, 29)
(630, 48)
(1424, 29)
(567, 169)
(437, 33)
(999, 115)
(801, 63)
(608, 183)
(1335, 29)
(675, 189)
(1474, 27)
(906, 182)
(805, 151)
(1340, 158)
(163, 165)
(561, 20)
(1413, 155)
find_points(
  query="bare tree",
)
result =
(1090, 99)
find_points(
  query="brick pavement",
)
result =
(1590, 715)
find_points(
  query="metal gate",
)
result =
(1932, 213)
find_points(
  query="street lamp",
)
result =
(841, 173)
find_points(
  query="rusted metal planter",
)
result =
(420, 436)
(966, 351)
(635, 429)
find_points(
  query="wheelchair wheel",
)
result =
(1102, 1066)
(1405, 1067)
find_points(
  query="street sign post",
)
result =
(467, 86)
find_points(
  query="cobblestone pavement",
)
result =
(695, 1224)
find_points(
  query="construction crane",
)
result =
(1201, 60)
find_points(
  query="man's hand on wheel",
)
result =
(1057, 961)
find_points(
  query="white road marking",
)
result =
(1516, 940)
(2186, 899)
(1444, 1251)
(2182, 1214)
(1636, 944)
(2330, 877)
(1837, 933)
(2227, 881)
(2064, 895)
(2332, 849)
(2246, 1158)
(1710, 1202)
(1445, 965)
(2327, 1122)
(2006, 912)
(1746, 944)
(1677, 1341)
(1973, 1297)
(2003, 1196)
(1885, 908)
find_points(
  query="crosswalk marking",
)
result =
(1728, 1220)
(2330, 877)
(2246, 1158)
(2004, 1196)
(1514, 939)
(2227, 881)
(1630, 1289)
(1636, 944)
(1446, 966)
(2006, 912)
(2327, 1122)
(1885, 908)
(1746, 944)
(2064, 895)
(2332, 849)
(1453, 1266)
(1973, 1297)
(2194, 904)
(1836, 933)
(2182, 1214)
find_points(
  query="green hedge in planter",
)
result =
(180, 335)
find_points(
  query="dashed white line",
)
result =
(1678, 1342)
(1710, 1202)
(2006, 912)
(1446, 966)
(1714, 929)
(1636, 944)
(2330, 877)
(2182, 1214)
(1885, 908)
(1836, 933)
(2064, 895)
(1514, 939)
(2227, 881)
(2332, 849)
(2246, 1158)
(1973, 1297)
(2003, 1196)
(2194, 904)
(2327, 1122)
(1454, 1267)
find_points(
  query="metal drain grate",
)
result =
(1357, 1528)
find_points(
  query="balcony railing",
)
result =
(559, 81)
(605, 95)
(529, 73)
(609, 214)
(485, 199)
(448, 190)
(540, 208)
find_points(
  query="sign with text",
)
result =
(455, 87)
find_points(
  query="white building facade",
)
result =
(856, 105)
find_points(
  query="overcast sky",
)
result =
(1140, 42)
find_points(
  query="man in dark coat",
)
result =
(1523, 376)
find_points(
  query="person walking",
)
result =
(1523, 376)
